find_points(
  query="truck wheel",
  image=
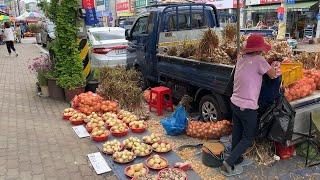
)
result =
(209, 108)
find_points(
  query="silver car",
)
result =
(108, 46)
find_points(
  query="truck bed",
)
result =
(210, 76)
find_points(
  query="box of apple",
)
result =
(138, 126)
(99, 134)
(111, 147)
(153, 138)
(68, 112)
(157, 162)
(123, 157)
(119, 130)
(161, 147)
(131, 142)
(142, 149)
(136, 170)
(77, 118)
(127, 116)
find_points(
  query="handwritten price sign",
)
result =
(99, 163)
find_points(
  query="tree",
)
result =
(52, 10)
(67, 64)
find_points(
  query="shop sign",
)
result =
(270, 1)
(235, 4)
(141, 3)
(91, 17)
(99, 2)
(87, 4)
(123, 6)
(220, 4)
(252, 2)
(106, 5)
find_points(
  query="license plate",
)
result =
(120, 51)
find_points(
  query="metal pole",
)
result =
(318, 27)
(18, 4)
(238, 27)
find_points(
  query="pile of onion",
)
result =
(313, 74)
(300, 89)
(109, 106)
(205, 130)
(87, 102)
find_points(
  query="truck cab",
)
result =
(144, 35)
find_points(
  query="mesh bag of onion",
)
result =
(208, 130)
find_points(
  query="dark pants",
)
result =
(243, 132)
(10, 46)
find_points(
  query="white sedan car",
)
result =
(108, 46)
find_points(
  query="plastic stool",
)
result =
(160, 103)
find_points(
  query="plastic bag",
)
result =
(265, 122)
(177, 123)
(283, 121)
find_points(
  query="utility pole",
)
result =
(238, 27)
(18, 4)
(318, 27)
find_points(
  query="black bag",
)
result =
(265, 121)
(282, 122)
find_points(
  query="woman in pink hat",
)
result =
(244, 101)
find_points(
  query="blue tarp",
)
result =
(118, 169)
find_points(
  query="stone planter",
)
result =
(70, 94)
(44, 91)
(55, 92)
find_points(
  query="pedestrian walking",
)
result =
(8, 35)
(244, 101)
(18, 33)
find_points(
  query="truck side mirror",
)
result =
(127, 34)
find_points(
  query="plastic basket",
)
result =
(291, 73)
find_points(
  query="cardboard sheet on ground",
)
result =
(118, 169)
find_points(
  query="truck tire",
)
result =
(209, 109)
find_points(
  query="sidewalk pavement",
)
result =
(34, 142)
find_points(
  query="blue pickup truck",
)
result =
(164, 25)
(209, 84)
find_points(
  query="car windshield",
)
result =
(107, 35)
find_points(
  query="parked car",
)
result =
(47, 33)
(292, 42)
(108, 47)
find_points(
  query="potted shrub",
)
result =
(68, 64)
(41, 66)
(93, 81)
(55, 91)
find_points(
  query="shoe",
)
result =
(228, 170)
(17, 54)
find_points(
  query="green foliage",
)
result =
(41, 76)
(44, 6)
(52, 10)
(68, 65)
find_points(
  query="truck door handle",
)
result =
(131, 49)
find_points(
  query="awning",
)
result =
(300, 6)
